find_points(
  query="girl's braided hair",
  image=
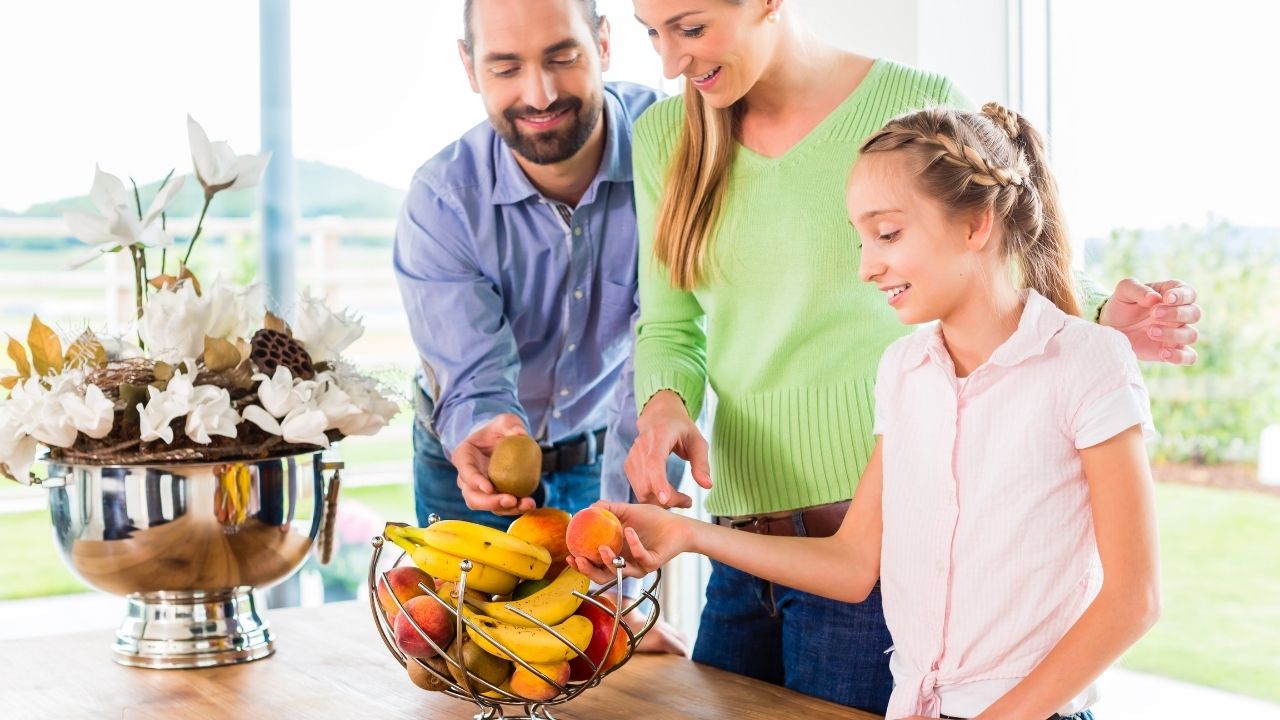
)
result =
(971, 161)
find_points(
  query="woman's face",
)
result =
(912, 248)
(721, 46)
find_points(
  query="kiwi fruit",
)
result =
(515, 467)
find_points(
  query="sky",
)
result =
(1164, 112)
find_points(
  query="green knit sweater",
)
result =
(783, 329)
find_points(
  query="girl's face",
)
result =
(721, 46)
(913, 249)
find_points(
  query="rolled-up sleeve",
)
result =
(455, 315)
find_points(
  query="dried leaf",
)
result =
(273, 322)
(244, 348)
(163, 372)
(87, 351)
(46, 348)
(219, 354)
(19, 356)
(242, 376)
(132, 396)
(184, 273)
(8, 383)
(163, 282)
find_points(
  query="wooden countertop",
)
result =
(330, 663)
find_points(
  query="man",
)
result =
(516, 259)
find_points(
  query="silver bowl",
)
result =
(186, 545)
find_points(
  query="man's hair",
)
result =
(589, 13)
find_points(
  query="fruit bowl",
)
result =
(444, 654)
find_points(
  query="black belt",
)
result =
(568, 454)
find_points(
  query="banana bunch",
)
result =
(551, 605)
(233, 494)
(531, 644)
(498, 560)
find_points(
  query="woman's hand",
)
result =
(1159, 319)
(665, 428)
(651, 537)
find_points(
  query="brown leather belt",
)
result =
(816, 521)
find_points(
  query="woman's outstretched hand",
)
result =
(665, 428)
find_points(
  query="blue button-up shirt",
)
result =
(517, 304)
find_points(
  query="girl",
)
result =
(1007, 502)
(745, 257)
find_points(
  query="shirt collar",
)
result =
(512, 186)
(1041, 320)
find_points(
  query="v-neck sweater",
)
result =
(785, 332)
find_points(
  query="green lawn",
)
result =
(1221, 610)
(1221, 554)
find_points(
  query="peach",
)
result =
(546, 527)
(601, 624)
(435, 619)
(589, 529)
(404, 582)
(531, 687)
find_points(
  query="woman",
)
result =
(748, 270)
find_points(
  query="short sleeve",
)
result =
(1114, 397)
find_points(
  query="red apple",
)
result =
(404, 580)
(601, 623)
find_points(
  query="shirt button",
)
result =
(577, 231)
(555, 414)
(564, 392)
(578, 293)
(572, 347)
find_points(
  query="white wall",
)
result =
(967, 41)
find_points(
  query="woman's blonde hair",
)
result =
(971, 161)
(696, 179)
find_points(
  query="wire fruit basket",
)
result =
(494, 701)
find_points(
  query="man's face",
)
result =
(537, 65)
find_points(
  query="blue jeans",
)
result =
(435, 486)
(820, 647)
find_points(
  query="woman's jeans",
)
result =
(820, 647)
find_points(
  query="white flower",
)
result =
(304, 424)
(91, 412)
(116, 224)
(163, 407)
(281, 394)
(232, 313)
(217, 165)
(17, 449)
(41, 415)
(173, 324)
(353, 404)
(211, 414)
(324, 333)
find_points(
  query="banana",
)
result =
(550, 605)
(531, 644)
(483, 544)
(444, 566)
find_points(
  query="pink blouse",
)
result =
(989, 556)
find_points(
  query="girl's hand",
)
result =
(665, 428)
(1159, 319)
(651, 537)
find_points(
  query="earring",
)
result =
(772, 17)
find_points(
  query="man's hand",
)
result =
(1159, 319)
(471, 458)
(665, 428)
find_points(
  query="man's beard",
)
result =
(551, 146)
